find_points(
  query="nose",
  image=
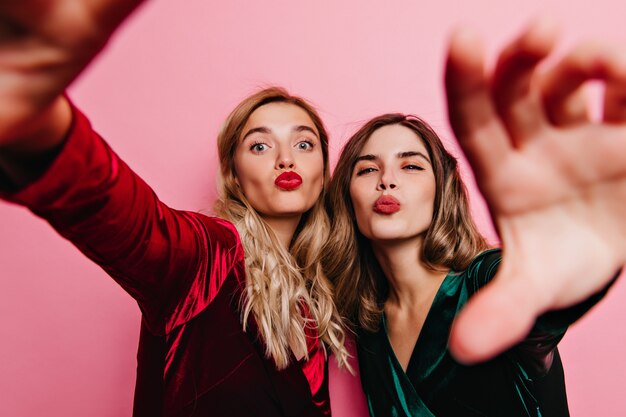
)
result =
(387, 181)
(382, 186)
(285, 160)
(285, 164)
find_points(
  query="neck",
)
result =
(411, 282)
(283, 227)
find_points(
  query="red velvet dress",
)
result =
(186, 272)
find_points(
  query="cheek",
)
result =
(424, 202)
(312, 170)
(314, 166)
(239, 168)
(249, 182)
(250, 171)
(318, 173)
(359, 204)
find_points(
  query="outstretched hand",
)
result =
(553, 178)
(44, 45)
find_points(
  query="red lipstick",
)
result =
(288, 181)
(386, 204)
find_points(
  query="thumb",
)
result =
(496, 318)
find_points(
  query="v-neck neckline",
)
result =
(420, 336)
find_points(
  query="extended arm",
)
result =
(52, 161)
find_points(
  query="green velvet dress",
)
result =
(524, 381)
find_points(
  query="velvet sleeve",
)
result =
(172, 262)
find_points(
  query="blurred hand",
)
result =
(554, 180)
(44, 45)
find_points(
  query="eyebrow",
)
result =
(400, 155)
(413, 153)
(267, 130)
(256, 130)
(304, 128)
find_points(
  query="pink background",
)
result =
(159, 93)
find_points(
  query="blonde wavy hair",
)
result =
(284, 286)
(451, 242)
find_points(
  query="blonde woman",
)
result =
(237, 314)
(406, 256)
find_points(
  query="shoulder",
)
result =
(219, 235)
(483, 268)
(217, 225)
(486, 261)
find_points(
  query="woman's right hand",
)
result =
(554, 177)
(44, 46)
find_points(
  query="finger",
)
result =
(518, 103)
(473, 116)
(562, 85)
(495, 319)
(615, 91)
(615, 104)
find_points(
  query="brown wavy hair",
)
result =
(279, 281)
(451, 242)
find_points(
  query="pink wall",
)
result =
(159, 94)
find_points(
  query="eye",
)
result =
(364, 171)
(412, 167)
(259, 147)
(305, 145)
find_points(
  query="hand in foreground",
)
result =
(44, 45)
(554, 180)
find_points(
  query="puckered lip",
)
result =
(386, 204)
(288, 180)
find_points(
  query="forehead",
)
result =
(275, 115)
(391, 139)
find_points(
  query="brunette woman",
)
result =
(237, 315)
(406, 256)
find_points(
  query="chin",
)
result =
(388, 232)
(388, 238)
(290, 210)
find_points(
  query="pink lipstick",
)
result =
(288, 181)
(386, 204)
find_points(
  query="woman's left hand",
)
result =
(554, 178)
